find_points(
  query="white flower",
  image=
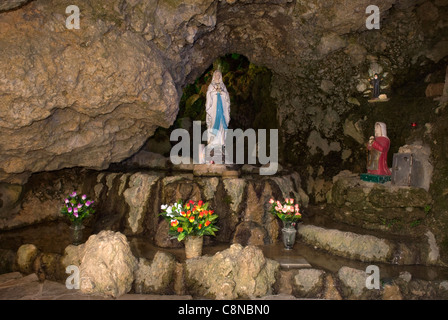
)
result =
(164, 206)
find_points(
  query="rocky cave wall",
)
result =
(93, 96)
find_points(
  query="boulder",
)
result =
(107, 265)
(354, 283)
(26, 254)
(308, 283)
(238, 272)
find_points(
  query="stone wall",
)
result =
(130, 202)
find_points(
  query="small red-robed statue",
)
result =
(378, 147)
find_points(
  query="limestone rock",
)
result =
(93, 96)
(347, 244)
(48, 266)
(331, 292)
(434, 89)
(232, 273)
(235, 191)
(392, 292)
(137, 196)
(72, 255)
(146, 159)
(250, 233)
(12, 4)
(7, 260)
(107, 265)
(309, 282)
(354, 282)
(155, 277)
(26, 254)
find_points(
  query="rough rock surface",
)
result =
(107, 265)
(385, 207)
(308, 282)
(354, 283)
(348, 244)
(238, 272)
(157, 276)
(93, 96)
(26, 255)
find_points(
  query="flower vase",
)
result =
(77, 232)
(289, 234)
(193, 246)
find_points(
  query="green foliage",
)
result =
(77, 207)
(191, 218)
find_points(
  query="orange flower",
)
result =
(187, 206)
(201, 214)
(180, 229)
(174, 223)
(191, 219)
(200, 203)
(188, 213)
(207, 223)
(183, 213)
(211, 212)
(200, 226)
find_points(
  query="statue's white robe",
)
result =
(217, 138)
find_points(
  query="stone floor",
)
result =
(15, 286)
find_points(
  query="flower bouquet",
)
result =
(77, 208)
(289, 213)
(190, 219)
(286, 211)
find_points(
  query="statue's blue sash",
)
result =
(219, 119)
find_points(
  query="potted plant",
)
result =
(190, 221)
(289, 214)
(77, 208)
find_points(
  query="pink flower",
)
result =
(84, 197)
(285, 209)
(79, 205)
(279, 204)
(75, 210)
(73, 194)
(69, 209)
(88, 203)
(76, 214)
(291, 201)
(271, 201)
(66, 201)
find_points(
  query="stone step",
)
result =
(288, 259)
(368, 248)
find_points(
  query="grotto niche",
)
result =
(92, 110)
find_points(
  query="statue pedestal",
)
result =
(213, 170)
(374, 178)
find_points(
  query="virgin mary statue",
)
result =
(217, 108)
